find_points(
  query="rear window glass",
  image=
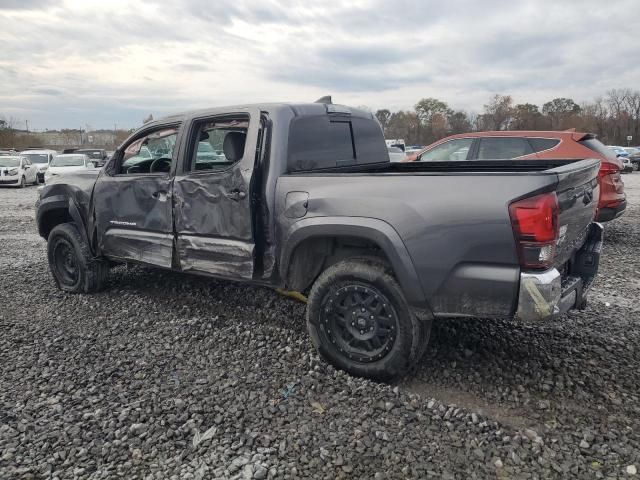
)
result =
(599, 147)
(369, 141)
(37, 157)
(540, 144)
(499, 148)
(325, 141)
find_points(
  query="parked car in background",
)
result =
(634, 155)
(67, 163)
(396, 142)
(40, 158)
(97, 155)
(7, 153)
(627, 165)
(17, 171)
(396, 155)
(527, 145)
(618, 151)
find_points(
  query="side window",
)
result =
(540, 144)
(499, 148)
(452, 151)
(151, 153)
(320, 141)
(218, 144)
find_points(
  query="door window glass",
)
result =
(499, 148)
(218, 144)
(151, 153)
(452, 151)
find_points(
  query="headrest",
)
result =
(233, 145)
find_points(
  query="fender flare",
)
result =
(373, 229)
(44, 206)
(79, 221)
(61, 202)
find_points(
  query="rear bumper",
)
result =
(609, 213)
(546, 294)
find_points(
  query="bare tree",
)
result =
(383, 116)
(498, 113)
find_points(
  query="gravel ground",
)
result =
(169, 376)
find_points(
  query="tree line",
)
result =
(612, 117)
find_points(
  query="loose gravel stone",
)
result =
(118, 384)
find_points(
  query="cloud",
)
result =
(70, 62)
(25, 4)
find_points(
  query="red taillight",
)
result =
(535, 226)
(607, 168)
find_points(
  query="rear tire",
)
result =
(73, 267)
(360, 322)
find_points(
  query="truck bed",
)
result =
(452, 217)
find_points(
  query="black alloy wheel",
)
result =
(360, 321)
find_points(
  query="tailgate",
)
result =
(578, 193)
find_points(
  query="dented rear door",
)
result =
(212, 200)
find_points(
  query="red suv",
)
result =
(535, 144)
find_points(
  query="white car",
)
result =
(17, 171)
(41, 158)
(396, 154)
(67, 163)
(627, 164)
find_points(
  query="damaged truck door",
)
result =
(212, 207)
(133, 214)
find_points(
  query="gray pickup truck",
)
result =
(304, 198)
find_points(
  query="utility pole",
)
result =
(27, 123)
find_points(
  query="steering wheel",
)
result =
(162, 164)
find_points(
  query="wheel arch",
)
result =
(59, 209)
(313, 244)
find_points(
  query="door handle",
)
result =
(236, 195)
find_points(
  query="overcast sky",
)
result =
(68, 63)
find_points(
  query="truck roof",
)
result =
(298, 109)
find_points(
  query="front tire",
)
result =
(23, 182)
(73, 267)
(360, 322)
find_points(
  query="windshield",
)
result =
(68, 161)
(37, 157)
(9, 162)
